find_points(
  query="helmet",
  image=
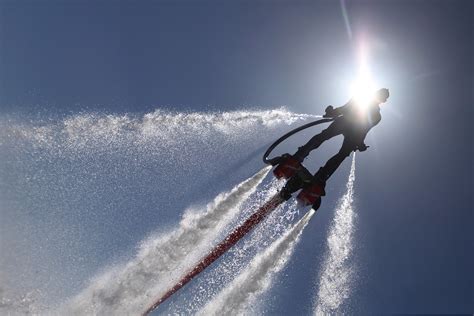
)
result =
(382, 95)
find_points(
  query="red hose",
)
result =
(221, 248)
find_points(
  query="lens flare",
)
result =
(363, 88)
(363, 91)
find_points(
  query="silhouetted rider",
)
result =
(352, 121)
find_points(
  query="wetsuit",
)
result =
(350, 121)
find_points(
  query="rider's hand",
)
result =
(329, 112)
(362, 147)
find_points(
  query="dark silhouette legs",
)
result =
(335, 161)
(336, 128)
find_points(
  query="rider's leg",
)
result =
(334, 129)
(334, 162)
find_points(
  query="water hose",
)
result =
(287, 135)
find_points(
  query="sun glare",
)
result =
(364, 87)
(363, 90)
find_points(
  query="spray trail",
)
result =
(79, 190)
(160, 128)
(336, 277)
(127, 289)
(213, 280)
(240, 295)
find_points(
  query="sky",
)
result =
(413, 190)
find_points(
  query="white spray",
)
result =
(159, 128)
(213, 281)
(240, 295)
(68, 179)
(336, 276)
(161, 259)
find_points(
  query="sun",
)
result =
(364, 86)
(363, 91)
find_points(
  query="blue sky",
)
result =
(414, 184)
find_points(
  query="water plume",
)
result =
(79, 191)
(161, 259)
(239, 296)
(337, 273)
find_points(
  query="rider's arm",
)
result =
(375, 118)
(340, 110)
(335, 112)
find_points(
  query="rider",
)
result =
(352, 121)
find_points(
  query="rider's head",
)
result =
(382, 95)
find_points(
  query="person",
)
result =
(353, 122)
